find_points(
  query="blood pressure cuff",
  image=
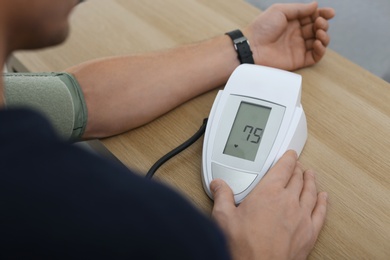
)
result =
(56, 95)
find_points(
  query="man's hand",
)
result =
(290, 36)
(280, 219)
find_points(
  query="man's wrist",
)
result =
(242, 47)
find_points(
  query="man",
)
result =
(59, 201)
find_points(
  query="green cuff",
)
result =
(57, 95)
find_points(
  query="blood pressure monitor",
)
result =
(253, 121)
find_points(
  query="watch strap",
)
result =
(241, 44)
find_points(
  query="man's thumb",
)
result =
(222, 194)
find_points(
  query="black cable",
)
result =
(177, 150)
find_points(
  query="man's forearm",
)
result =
(126, 92)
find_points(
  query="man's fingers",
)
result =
(321, 24)
(311, 30)
(306, 21)
(323, 37)
(282, 171)
(311, 24)
(319, 212)
(223, 198)
(315, 53)
(306, 13)
(309, 192)
(327, 13)
(296, 181)
(314, 203)
(297, 11)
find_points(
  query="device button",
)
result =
(238, 181)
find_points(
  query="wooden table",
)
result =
(347, 109)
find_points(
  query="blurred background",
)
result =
(360, 31)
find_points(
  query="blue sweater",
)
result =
(59, 201)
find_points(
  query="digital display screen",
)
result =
(247, 131)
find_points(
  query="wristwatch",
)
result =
(241, 44)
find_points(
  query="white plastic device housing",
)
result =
(260, 85)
